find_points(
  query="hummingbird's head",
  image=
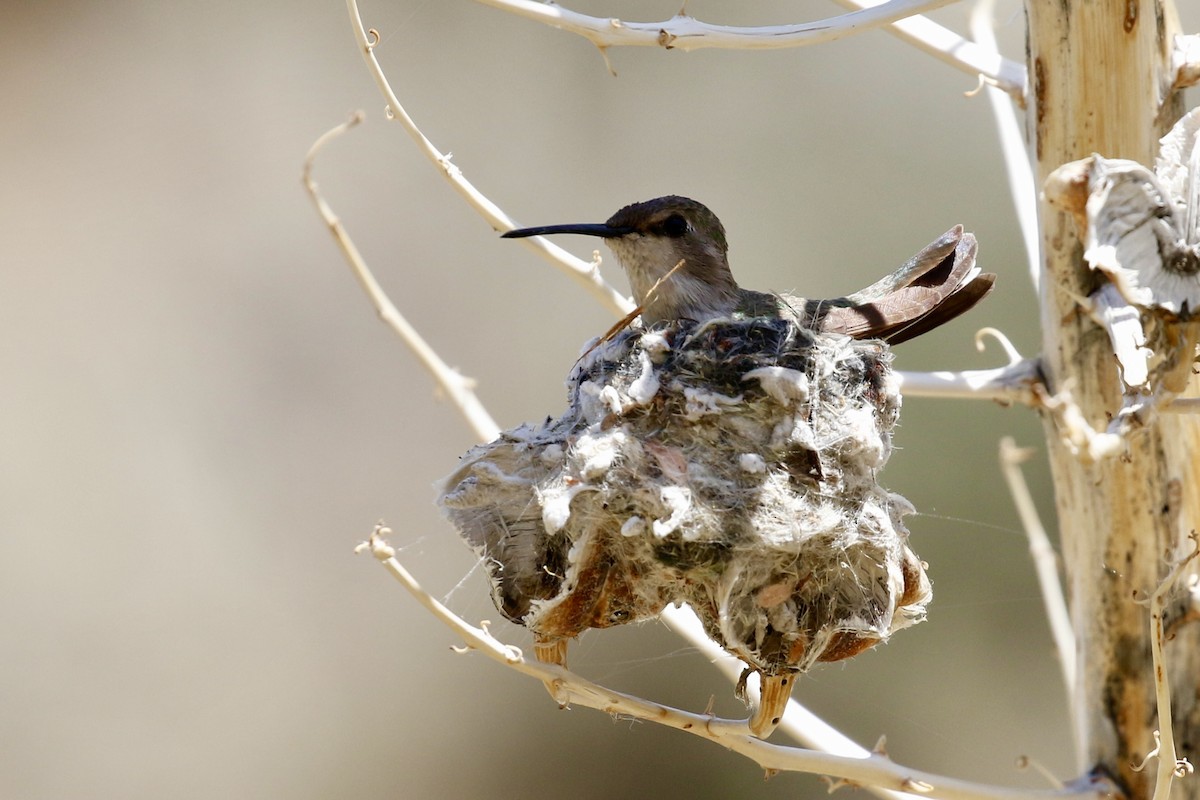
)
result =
(649, 240)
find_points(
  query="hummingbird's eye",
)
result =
(674, 226)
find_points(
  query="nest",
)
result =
(730, 466)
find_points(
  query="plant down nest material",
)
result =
(730, 466)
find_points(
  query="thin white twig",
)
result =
(1018, 167)
(1045, 560)
(1025, 762)
(1170, 766)
(585, 272)
(873, 769)
(1001, 338)
(950, 48)
(686, 33)
(457, 387)
(1014, 383)
(1011, 384)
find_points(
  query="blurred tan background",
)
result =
(200, 416)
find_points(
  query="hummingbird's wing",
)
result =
(930, 289)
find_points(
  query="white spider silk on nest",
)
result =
(731, 466)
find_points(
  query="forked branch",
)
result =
(686, 33)
(875, 771)
(582, 271)
(458, 388)
(978, 58)
(901, 17)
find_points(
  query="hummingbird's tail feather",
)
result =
(930, 289)
(930, 267)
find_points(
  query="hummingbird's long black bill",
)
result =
(588, 229)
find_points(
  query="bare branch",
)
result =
(1169, 765)
(458, 388)
(1045, 560)
(1011, 384)
(798, 723)
(874, 769)
(586, 273)
(1012, 147)
(686, 33)
(974, 59)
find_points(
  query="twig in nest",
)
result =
(628, 319)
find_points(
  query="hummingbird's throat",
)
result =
(669, 284)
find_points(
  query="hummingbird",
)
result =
(674, 251)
